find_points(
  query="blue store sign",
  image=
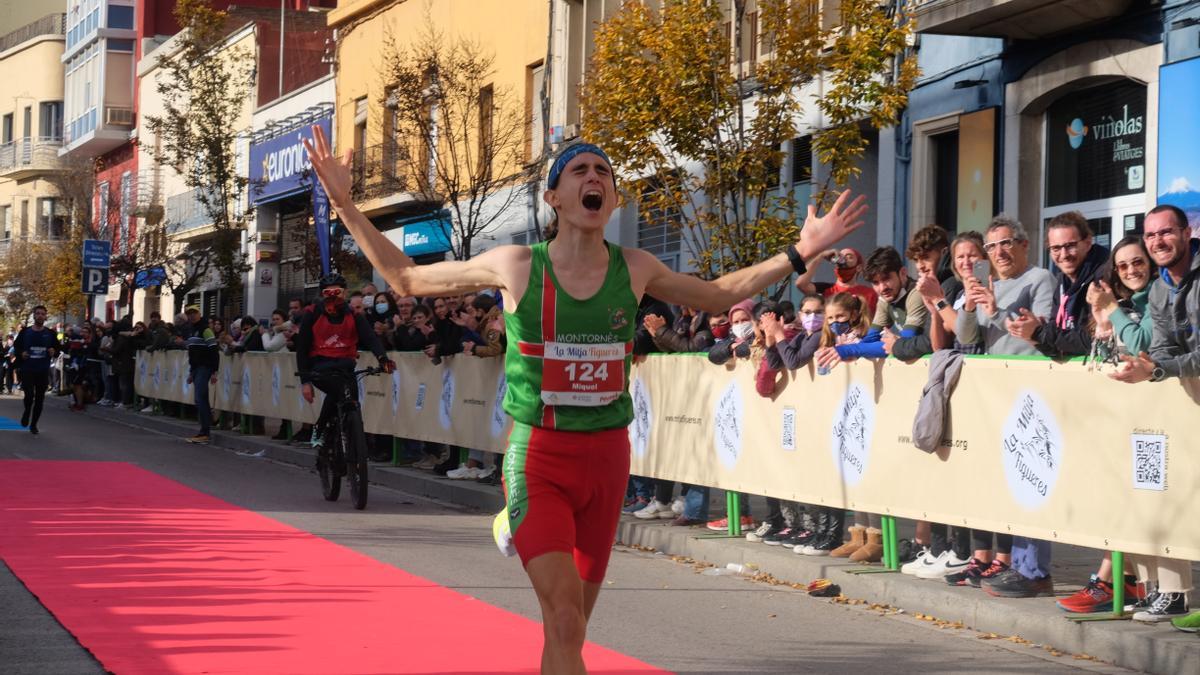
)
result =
(279, 165)
(429, 235)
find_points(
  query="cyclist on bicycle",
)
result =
(329, 339)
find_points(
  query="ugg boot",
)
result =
(872, 550)
(858, 537)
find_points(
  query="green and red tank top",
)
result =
(567, 364)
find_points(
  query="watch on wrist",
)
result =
(1158, 374)
(796, 259)
(941, 304)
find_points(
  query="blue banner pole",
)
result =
(321, 222)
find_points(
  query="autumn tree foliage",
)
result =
(695, 125)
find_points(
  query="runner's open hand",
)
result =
(334, 173)
(844, 217)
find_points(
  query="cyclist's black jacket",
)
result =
(367, 339)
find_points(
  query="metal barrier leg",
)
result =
(733, 510)
(395, 451)
(1118, 573)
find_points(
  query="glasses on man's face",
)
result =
(1165, 233)
(1071, 246)
(1005, 244)
(1135, 264)
(332, 292)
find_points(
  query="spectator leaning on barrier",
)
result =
(1174, 352)
(689, 333)
(946, 299)
(992, 308)
(1121, 299)
(275, 337)
(1079, 262)
(652, 313)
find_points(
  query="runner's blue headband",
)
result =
(569, 154)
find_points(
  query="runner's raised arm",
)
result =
(487, 270)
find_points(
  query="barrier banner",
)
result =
(1032, 447)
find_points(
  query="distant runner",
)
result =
(36, 347)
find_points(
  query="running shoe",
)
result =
(946, 563)
(924, 558)
(969, 575)
(1187, 624)
(502, 535)
(765, 529)
(1096, 596)
(1165, 607)
(722, 525)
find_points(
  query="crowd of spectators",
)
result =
(1136, 307)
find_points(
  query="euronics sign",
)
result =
(279, 165)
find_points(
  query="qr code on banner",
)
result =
(789, 429)
(1149, 461)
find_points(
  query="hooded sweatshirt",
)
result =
(1066, 334)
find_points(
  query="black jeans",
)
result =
(34, 384)
(341, 375)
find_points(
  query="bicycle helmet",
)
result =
(332, 279)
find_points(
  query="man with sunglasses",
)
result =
(329, 338)
(1079, 262)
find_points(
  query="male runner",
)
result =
(36, 346)
(570, 329)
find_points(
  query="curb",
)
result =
(1142, 647)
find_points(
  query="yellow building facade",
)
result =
(31, 132)
(513, 32)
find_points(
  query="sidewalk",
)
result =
(1155, 649)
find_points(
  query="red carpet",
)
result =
(154, 577)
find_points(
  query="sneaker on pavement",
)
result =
(946, 563)
(924, 558)
(118, 406)
(722, 525)
(677, 506)
(764, 529)
(684, 521)
(636, 505)
(463, 471)
(996, 568)
(777, 538)
(428, 463)
(503, 535)
(1097, 596)
(799, 538)
(199, 439)
(1012, 584)
(969, 575)
(1165, 607)
(1188, 624)
(655, 509)
(1143, 603)
(148, 409)
(821, 546)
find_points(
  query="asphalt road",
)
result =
(665, 612)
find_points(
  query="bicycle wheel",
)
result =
(331, 481)
(355, 442)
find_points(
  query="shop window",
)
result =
(1096, 144)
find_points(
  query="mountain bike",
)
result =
(345, 452)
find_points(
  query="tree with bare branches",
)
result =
(459, 137)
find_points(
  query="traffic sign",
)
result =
(95, 280)
(96, 253)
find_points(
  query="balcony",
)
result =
(186, 215)
(378, 178)
(29, 157)
(1015, 19)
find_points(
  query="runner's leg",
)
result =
(564, 621)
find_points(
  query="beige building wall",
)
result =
(513, 31)
(165, 182)
(32, 75)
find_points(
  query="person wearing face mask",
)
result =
(741, 330)
(328, 340)
(36, 347)
(847, 266)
